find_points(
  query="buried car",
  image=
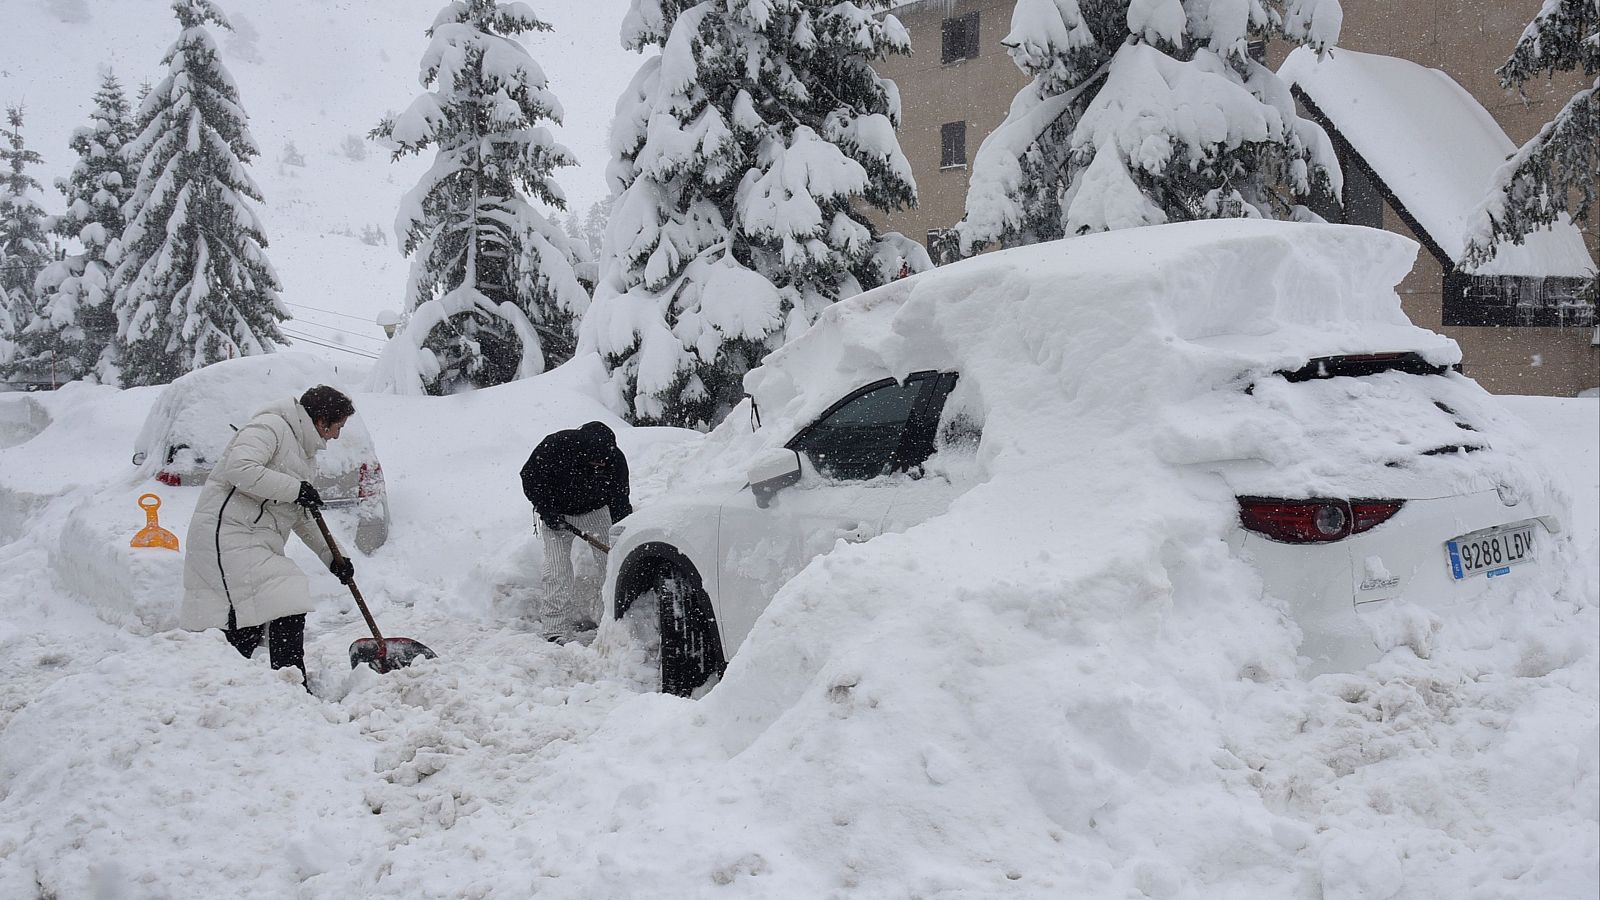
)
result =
(1245, 389)
(196, 415)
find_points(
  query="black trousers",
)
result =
(286, 641)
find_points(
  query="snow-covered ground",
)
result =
(1014, 746)
(141, 762)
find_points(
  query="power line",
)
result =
(330, 312)
(310, 340)
(370, 337)
(302, 339)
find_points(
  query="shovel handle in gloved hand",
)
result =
(587, 538)
(355, 592)
(308, 496)
(380, 656)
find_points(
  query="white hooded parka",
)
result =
(235, 559)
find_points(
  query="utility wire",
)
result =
(330, 312)
(310, 340)
(370, 337)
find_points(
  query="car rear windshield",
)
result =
(1380, 407)
(1363, 364)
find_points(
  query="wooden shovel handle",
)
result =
(587, 538)
(355, 592)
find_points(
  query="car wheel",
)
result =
(671, 622)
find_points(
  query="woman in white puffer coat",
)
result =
(236, 576)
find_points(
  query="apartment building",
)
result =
(1519, 332)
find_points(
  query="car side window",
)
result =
(860, 438)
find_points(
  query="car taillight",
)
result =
(1315, 521)
(1369, 514)
(171, 478)
(369, 481)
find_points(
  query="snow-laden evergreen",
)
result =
(193, 284)
(24, 249)
(493, 295)
(74, 292)
(1145, 112)
(1561, 164)
(747, 149)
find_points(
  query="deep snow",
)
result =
(1009, 746)
(898, 726)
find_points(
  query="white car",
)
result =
(1265, 367)
(195, 416)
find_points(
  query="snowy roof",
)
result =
(1434, 146)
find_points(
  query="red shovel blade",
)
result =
(393, 653)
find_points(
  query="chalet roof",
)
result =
(1433, 146)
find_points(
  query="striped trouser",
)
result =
(562, 605)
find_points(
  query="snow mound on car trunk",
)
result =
(1037, 693)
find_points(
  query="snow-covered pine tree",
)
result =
(1148, 111)
(1537, 185)
(192, 285)
(745, 152)
(594, 226)
(24, 250)
(74, 292)
(492, 294)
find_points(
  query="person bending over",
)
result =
(577, 480)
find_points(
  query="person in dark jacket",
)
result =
(577, 480)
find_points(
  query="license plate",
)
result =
(1492, 551)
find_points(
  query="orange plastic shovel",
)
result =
(152, 534)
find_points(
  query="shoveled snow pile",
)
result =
(1064, 686)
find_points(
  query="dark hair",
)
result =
(326, 405)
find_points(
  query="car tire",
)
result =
(683, 635)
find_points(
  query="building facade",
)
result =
(958, 83)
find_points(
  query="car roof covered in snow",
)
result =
(197, 409)
(1231, 296)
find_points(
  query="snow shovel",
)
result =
(381, 653)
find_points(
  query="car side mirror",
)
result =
(772, 472)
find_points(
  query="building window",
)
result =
(944, 245)
(952, 145)
(1492, 300)
(960, 38)
(1257, 50)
